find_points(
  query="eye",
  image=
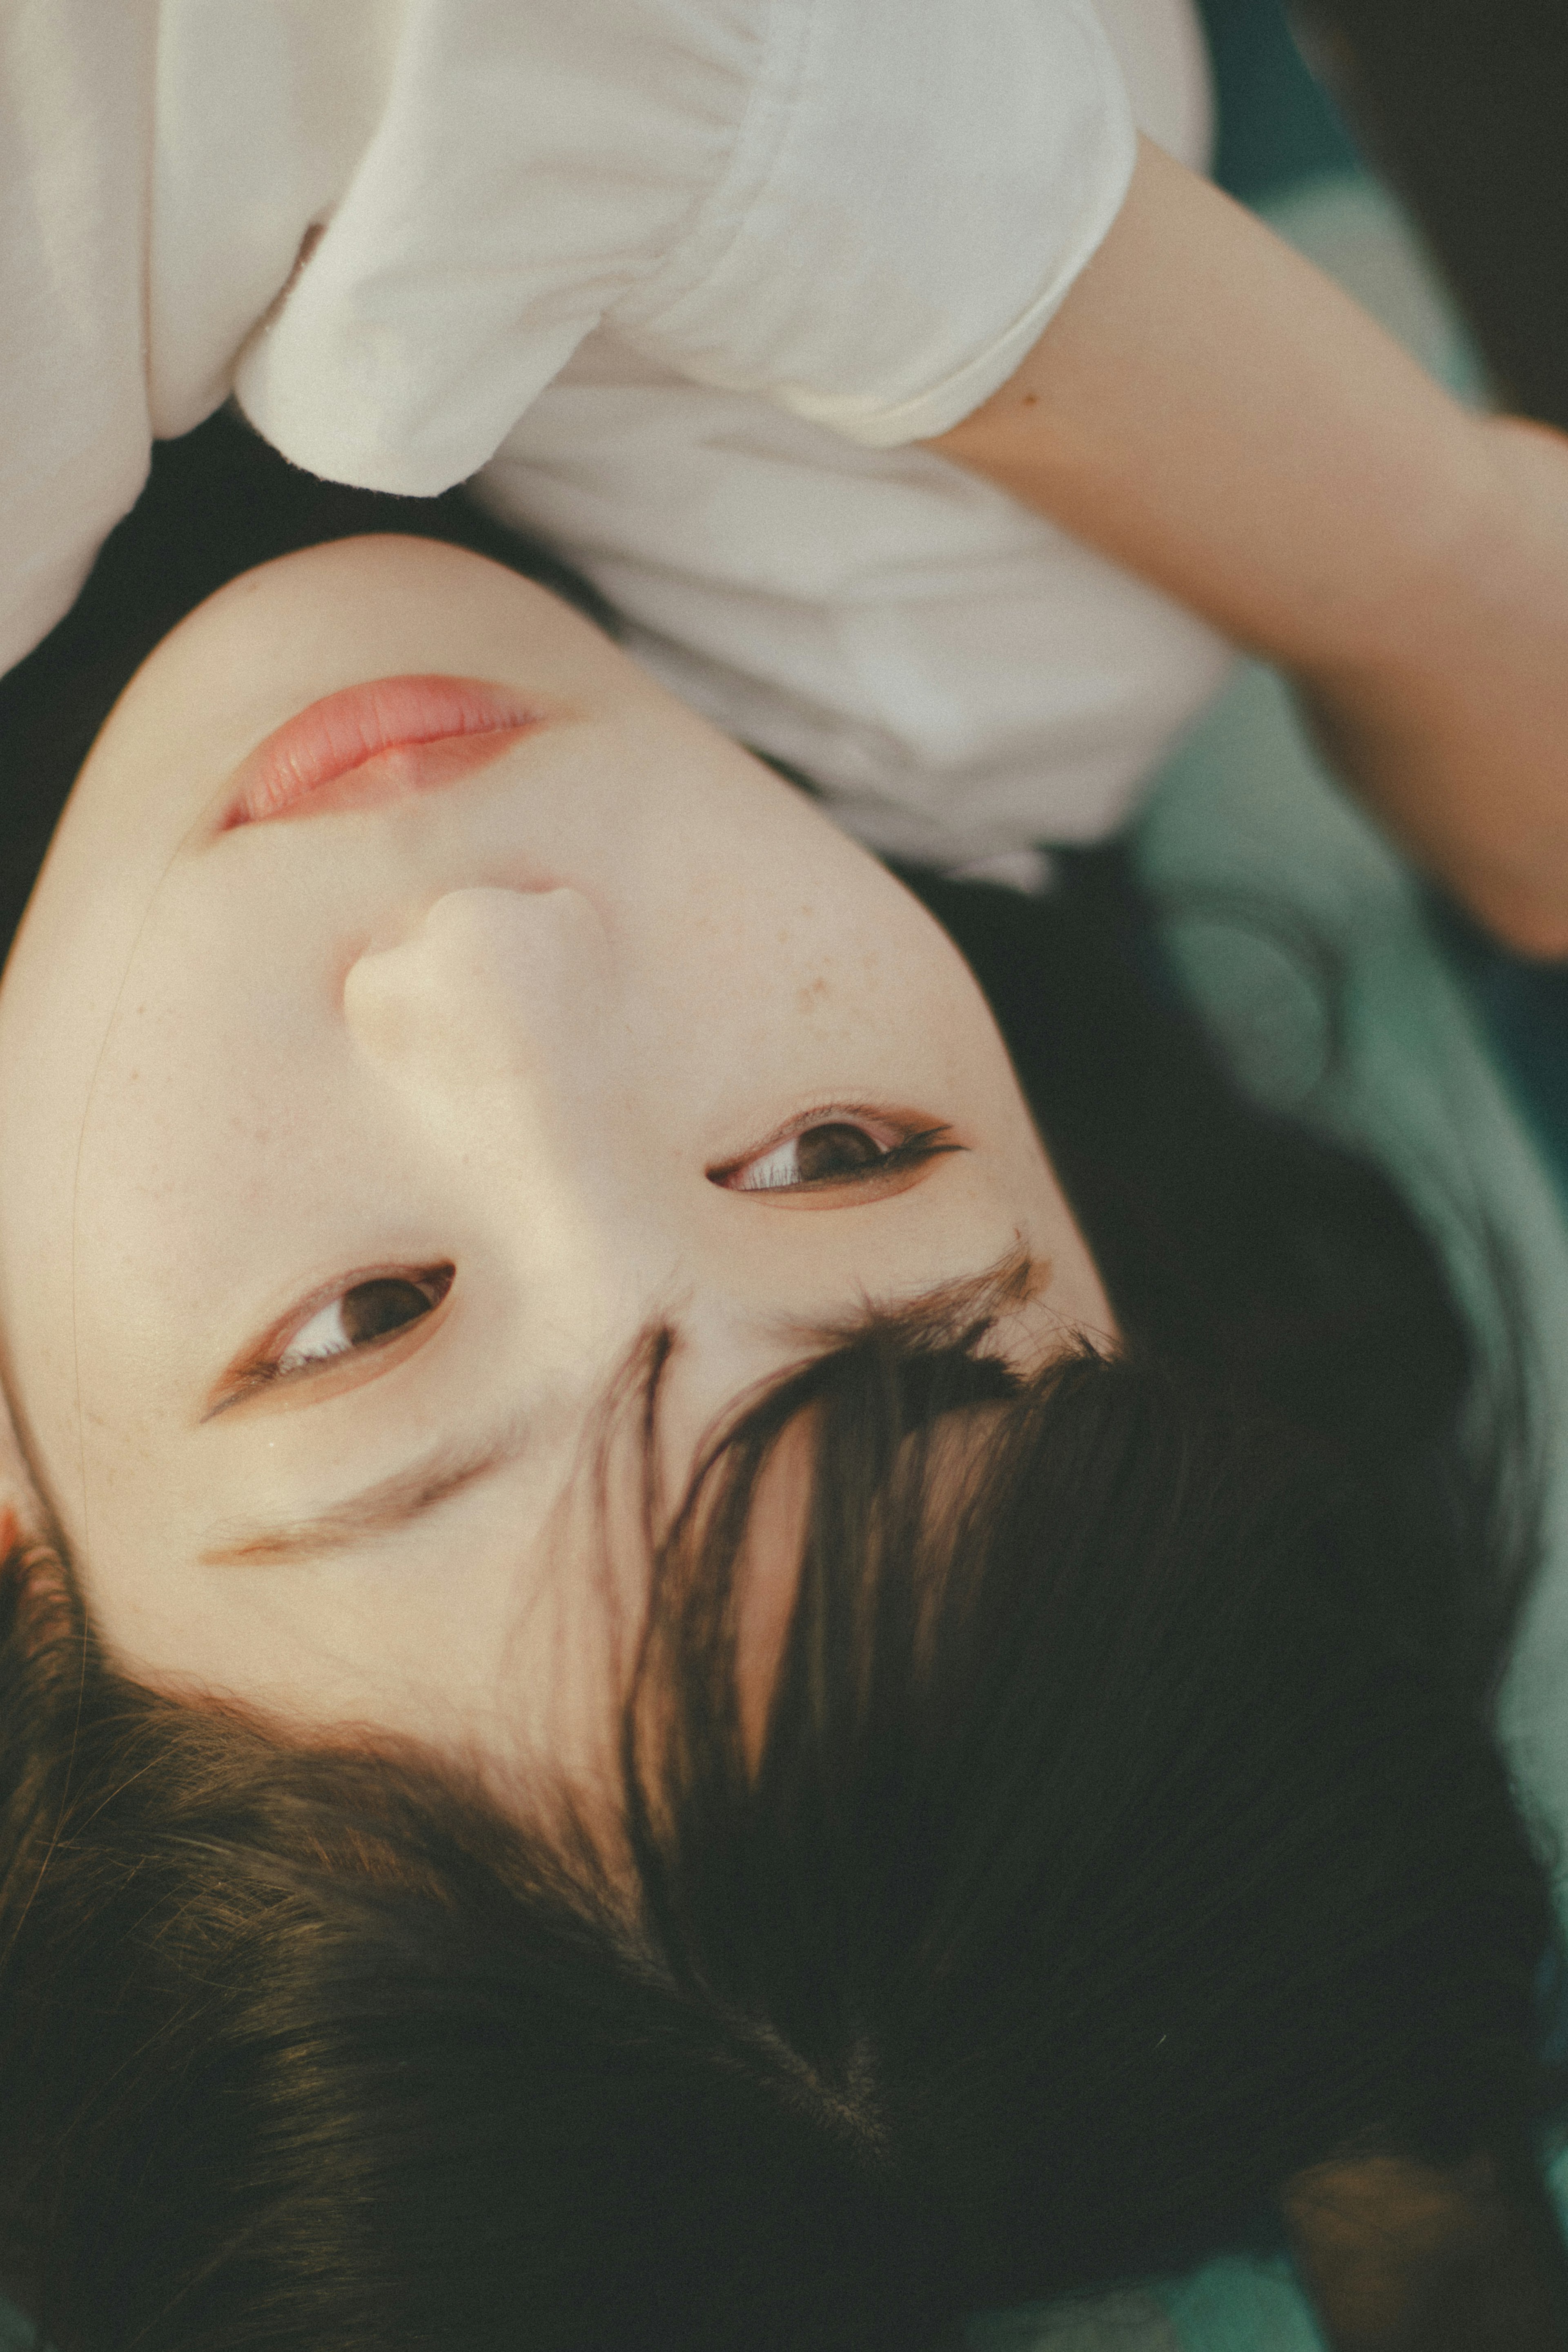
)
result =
(356, 1317)
(845, 1148)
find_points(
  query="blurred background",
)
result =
(1418, 150)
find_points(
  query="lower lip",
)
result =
(378, 742)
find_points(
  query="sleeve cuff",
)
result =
(946, 404)
(908, 201)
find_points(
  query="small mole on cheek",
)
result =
(1031, 400)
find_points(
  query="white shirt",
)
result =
(679, 281)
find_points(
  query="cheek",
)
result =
(217, 1098)
(198, 1192)
(175, 1154)
(790, 990)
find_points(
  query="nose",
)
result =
(494, 996)
(501, 1025)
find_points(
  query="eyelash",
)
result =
(272, 1365)
(911, 1150)
(912, 1147)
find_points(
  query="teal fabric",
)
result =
(1119, 2322)
(1245, 817)
(1276, 125)
(1240, 2306)
(1525, 1008)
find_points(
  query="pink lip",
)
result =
(376, 743)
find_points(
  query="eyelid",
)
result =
(898, 1132)
(255, 1369)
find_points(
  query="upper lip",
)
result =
(342, 732)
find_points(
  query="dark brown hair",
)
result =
(1128, 1835)
(1111, 1858)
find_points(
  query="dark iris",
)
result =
(372, 1308)
(835, 1151)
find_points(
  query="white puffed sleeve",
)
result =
(915, 188)
(864, 211)
(74, 121)
(526, 166)
(388, 224)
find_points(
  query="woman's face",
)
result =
(350, 1134)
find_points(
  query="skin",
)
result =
(1212, 411)
(513, 1025)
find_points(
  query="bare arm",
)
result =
(1211, 411)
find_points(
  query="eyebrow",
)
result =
(1009, 1280)
(376, 1510)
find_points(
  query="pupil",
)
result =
(834, 1150)
(373, 1308)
